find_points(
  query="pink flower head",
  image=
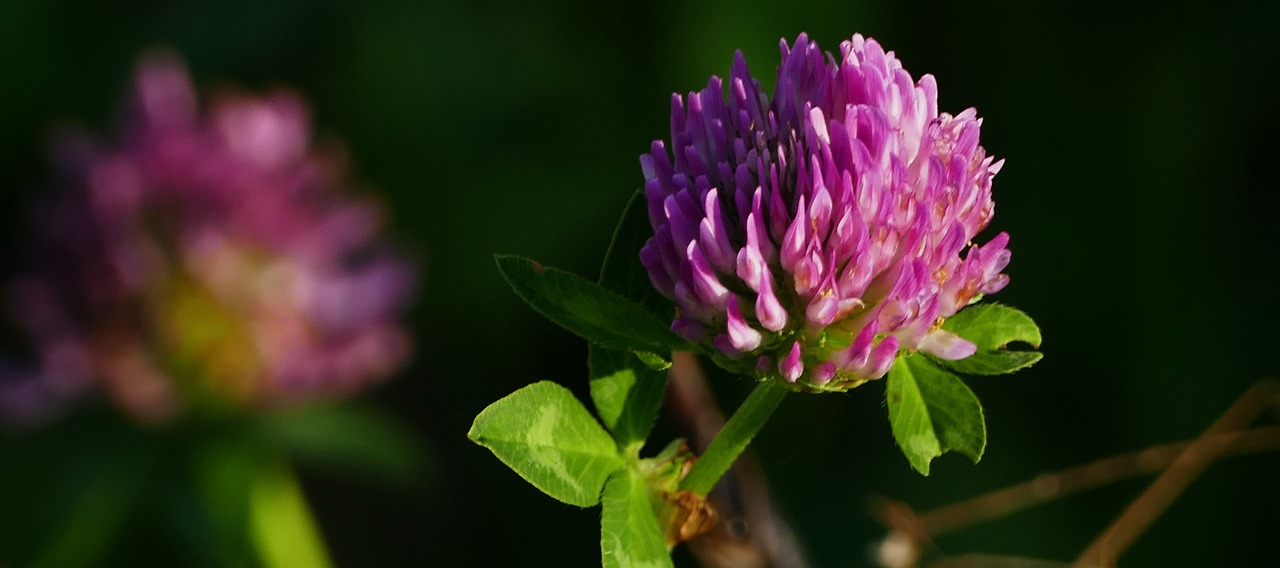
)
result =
(209, 256)
(812, 235)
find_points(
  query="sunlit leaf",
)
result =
(992, 362)
(627, 391)
(630, 536)
(627, 394)
(993, 326)
(931, 412)
(543, 433)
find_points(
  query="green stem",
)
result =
(283, 527)
(734, 437)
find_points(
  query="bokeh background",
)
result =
(1139, 192)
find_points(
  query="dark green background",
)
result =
(1139, 193)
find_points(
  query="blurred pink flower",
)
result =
(206, 258)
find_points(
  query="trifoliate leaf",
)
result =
(627, 394)
(587, 309)
(993, 326)
(991, 362)
(543, 433)
(630, 536)
(931, 411)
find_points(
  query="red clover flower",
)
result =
(812, 236)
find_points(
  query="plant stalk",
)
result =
(737, 433)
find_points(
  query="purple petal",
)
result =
(796, 240)
(765, 364)
(854, 357)
(820, 211)
(725, 345)
(791, 366)
(947, 345)
(769, 310)
(757, 234)
(743, 337)
(808, 272)
(881, 358)
(690, 329)
(712, 236)
(847, 194)
(823, 373)
(751, 266)
(822, 309)
(705, 282)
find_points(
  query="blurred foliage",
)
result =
(1139, 194)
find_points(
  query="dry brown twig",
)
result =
(1178, 463)
(1185, 468)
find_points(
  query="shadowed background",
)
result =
(1138, 192)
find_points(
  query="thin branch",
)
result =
(1102, 472)
(912, 532)
(1185, 468)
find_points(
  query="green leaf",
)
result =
(992, 362)
(931, 411)
(653, 361)
(630, 536)
(589, 310)
(622, 270)
(627, 394)
(543, 433)
(627, 391)
(993, 326)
